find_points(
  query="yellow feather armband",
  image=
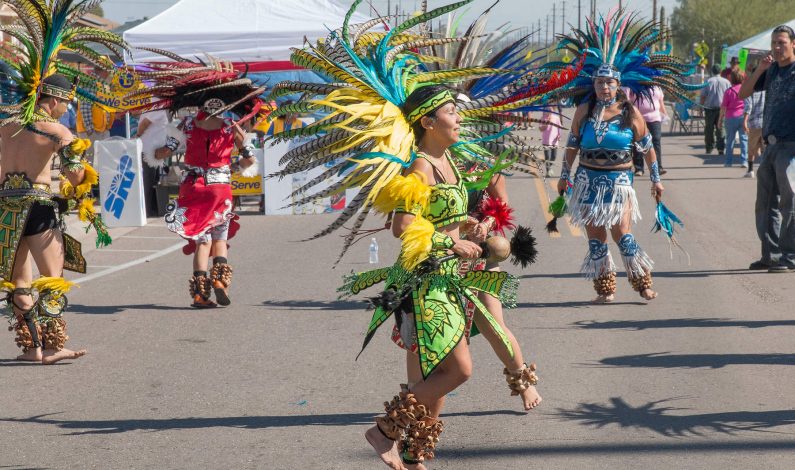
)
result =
(56, 285)
(408, 192)
(417, 242)
(90, 178)
(72, 154)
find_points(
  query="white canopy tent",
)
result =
(252, 31)
(760, 42)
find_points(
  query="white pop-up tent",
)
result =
(258, 32)
(755, 44)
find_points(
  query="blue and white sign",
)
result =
(120, 182)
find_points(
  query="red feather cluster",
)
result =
(500, 211)
(554, 81)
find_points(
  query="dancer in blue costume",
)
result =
(604, 131)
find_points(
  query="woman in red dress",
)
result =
(202, 214)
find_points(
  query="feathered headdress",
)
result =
(365, 136)
(45, 28)
(485, 140)
(214, 85)
(620, 46)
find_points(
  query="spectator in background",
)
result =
(775, 184)
(93, 123)
(711, 98)
(652, 108)
(734, 64)
(152, 132)
(731, 114)
(69, 118)
(118, 127)
(550, 135)
(754, 110)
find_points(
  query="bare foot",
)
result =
(385, 448)
(530, 397)
(603, 299)
(51, 357)
(33, 355)
(648, 294)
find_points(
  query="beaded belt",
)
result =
(38, 190)
(220, 175)
(603, 157)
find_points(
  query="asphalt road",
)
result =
(699, 378)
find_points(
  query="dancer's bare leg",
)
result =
(22, 276)
(530, 396)
(47, 251)
(599, 233)
(618, 231)
(220, 248)
(201, 257)
(452, 372)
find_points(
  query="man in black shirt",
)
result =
(775, 188)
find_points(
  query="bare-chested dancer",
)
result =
(32, 224)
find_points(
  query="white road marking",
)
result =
(125, 251)
(130, 264)
(148, 238)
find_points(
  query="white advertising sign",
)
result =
(121, 186)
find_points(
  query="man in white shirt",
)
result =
(711, 98)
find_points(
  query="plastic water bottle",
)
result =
(373, 251)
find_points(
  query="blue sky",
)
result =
(519, 13)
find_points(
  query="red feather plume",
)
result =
(500, 211)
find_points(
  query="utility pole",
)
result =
(546, 33)
(654, 11)
(662, 23)
(538, 32)
(554, 20)
(593, 10)
(563, 19)
(579, 14)
(620, 4)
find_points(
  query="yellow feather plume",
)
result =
(79, 145)
(7, 286)
(416, 243)
(410, 190)
(54, 284)
(85, 211)
(67, 190)
(90, 179)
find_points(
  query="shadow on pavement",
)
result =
(611, 448)
(113, 309)
(572, 304)
(695, 361)
(654, 417)
(666, 274)
(243, 422)
(316, 304)
(679, 323)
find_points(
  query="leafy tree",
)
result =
(719, 22)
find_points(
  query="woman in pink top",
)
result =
(550, 135)
(731, 115)
(652, 108)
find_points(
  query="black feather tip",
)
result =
(552, 225)
(523, 247)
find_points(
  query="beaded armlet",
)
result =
(71, 155)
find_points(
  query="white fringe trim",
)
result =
(638, 265)
(251, 171)
(149, 158)
(602, 214)
(595, 269)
